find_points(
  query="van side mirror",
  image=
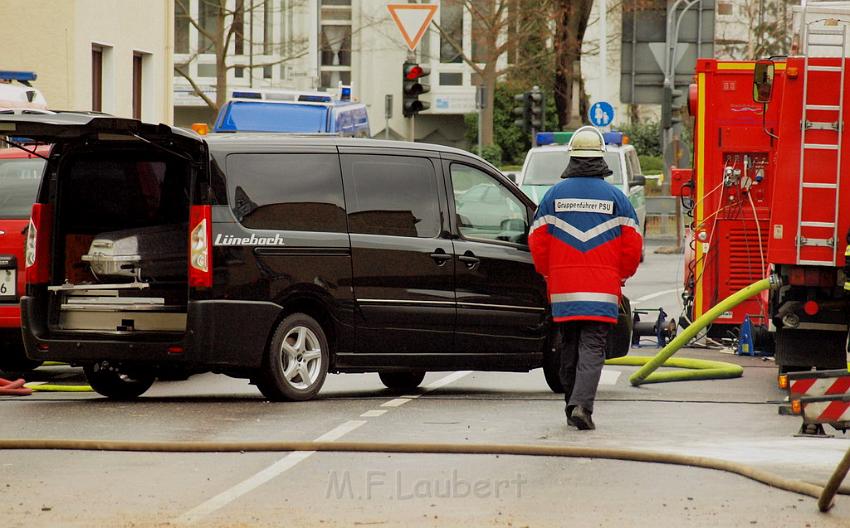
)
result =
(638, 180)
(763, 81)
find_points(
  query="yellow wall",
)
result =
(54, 38)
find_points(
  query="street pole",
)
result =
(669, 137)
(480, 96)
(388, 113)
(603, 51)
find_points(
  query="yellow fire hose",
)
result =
(645, 373)
(824, 495)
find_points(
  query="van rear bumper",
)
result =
(230, 334)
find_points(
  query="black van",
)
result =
(275, 258)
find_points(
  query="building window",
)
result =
(335, 37)
(206, 70)
(97, 78)
(208, 20)
(724, 8)
(481, 34)
(451, 79)
(267, 72)
(336, 45)
(137, 85)
(451, 38)
(181, 26)
(239, 72)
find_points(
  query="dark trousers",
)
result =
(583, 345)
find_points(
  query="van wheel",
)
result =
(552, 363)
(296, 362)
(402, 381)
(118, 384)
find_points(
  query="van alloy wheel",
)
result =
(301, 357)
(296, 362)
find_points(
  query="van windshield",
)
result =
(245, 116)
(546, 167)
(19, 179)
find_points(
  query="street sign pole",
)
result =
(480, 103)
(388, 113)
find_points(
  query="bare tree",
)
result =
(571, 19)
(221, 27)
(501, 30)
(760, 28)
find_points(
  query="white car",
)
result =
(545, 163)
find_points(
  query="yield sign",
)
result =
(412, 20)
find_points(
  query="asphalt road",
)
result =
(730, 419)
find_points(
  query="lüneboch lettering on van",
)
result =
(253, 240)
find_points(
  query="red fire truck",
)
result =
(771, 193)
(729, 192)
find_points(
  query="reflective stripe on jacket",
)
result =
(585, 240)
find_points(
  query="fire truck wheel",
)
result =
(402, 381)
(804, 349)
(296, 362)
(118, 384)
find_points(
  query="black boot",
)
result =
(569, 415)
(581, 418)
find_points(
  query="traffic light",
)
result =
(538, 108)
(669, 106)
(523, 111)
(412, 88)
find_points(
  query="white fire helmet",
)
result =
(587, 142)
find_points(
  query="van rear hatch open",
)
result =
(109, 250)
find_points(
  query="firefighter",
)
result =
(586, 242)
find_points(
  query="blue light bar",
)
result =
(545, 138)
(315, 98)
(247, 95)
(613, 138)
(20, 76)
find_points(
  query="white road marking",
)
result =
(373, 413)
(442, 382)
(291, 460)
(246, 486)
(654, 295)
(609, 376)
(398, 402)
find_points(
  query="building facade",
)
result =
(94, 55)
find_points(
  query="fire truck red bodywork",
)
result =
(730, 145)
(770, 194)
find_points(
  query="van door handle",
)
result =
(440, 257)
(469, 259)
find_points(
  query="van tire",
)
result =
(117, 385)
(401, 381)
(298, 344)
(552, 361)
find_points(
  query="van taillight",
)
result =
(200, 246)
(38, 244)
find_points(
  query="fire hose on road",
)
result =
(645, 373)
(824, 495)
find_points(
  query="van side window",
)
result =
(290, 192)
(391, 195)
(486, 209)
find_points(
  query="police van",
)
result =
(545, 163)
(293, 112)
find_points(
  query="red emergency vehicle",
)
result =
(20, 174)
(730, 190)
(770, 196)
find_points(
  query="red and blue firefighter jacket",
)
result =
(585, 241)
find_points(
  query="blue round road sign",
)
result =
(601, 114)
